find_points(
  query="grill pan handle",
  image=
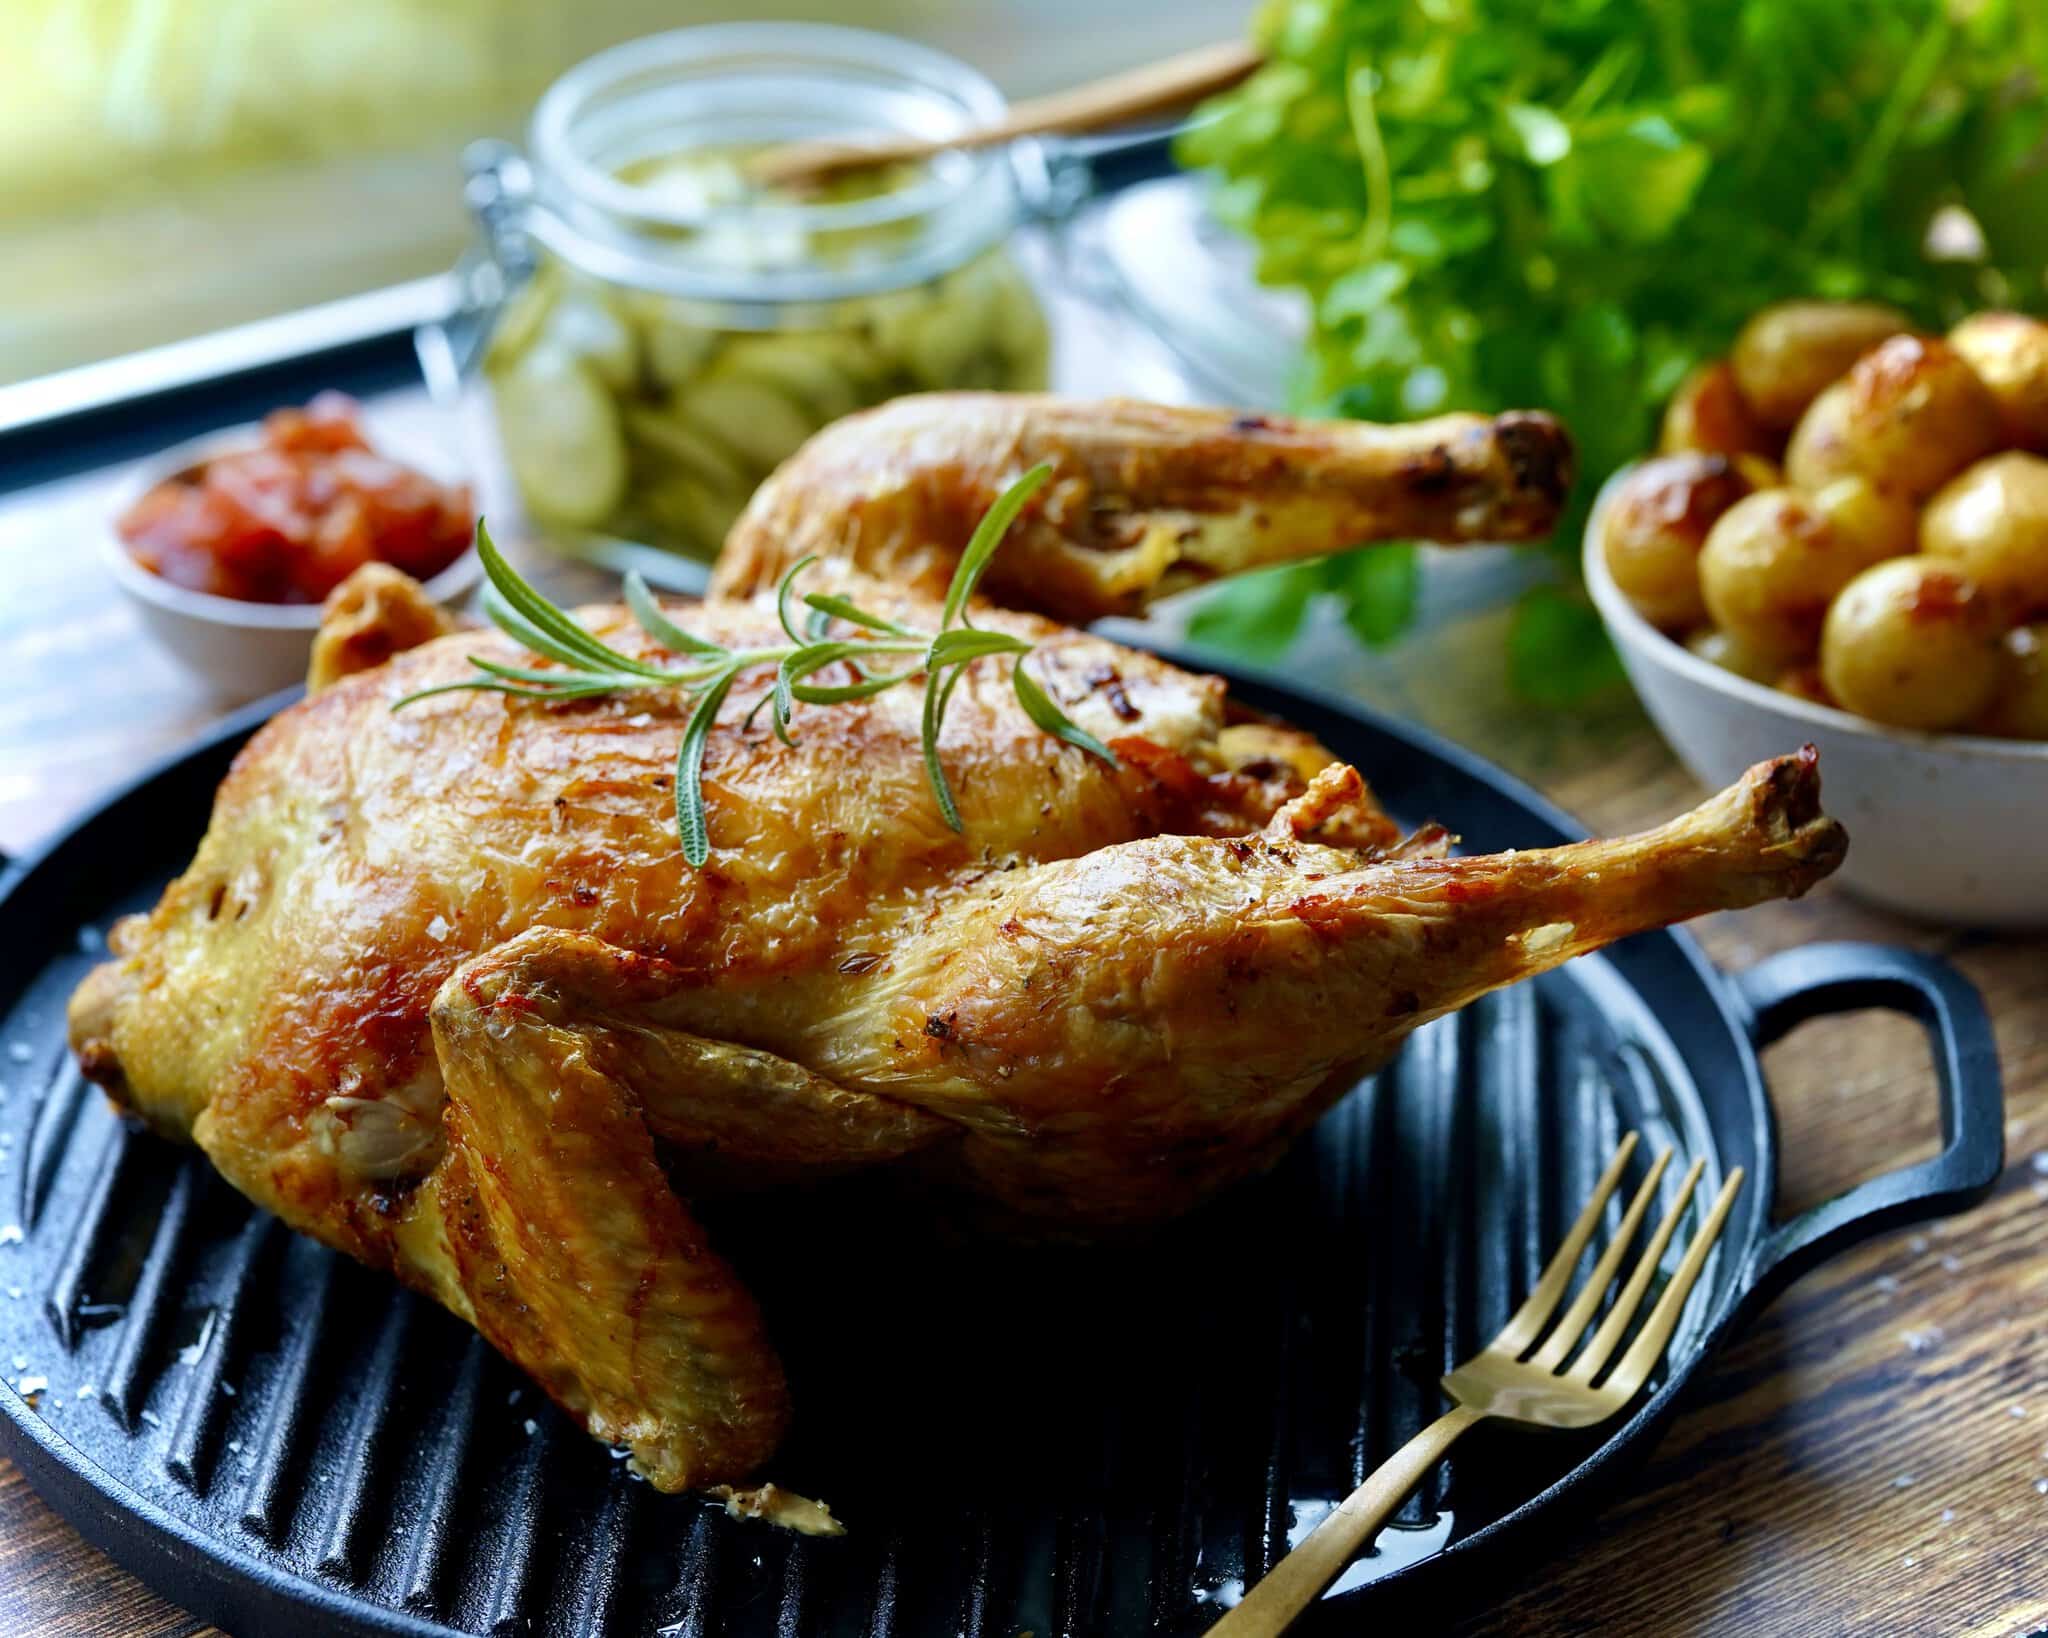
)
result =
(1790, 988)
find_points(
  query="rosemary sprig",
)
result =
(882, 654)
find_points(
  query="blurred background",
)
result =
(170, 167)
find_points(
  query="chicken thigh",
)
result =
(440, 988)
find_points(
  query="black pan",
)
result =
(1109, 1441)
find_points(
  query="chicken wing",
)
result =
(1145, 500)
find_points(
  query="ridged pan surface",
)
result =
(1107, 1440)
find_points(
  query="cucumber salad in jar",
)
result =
(675, 331)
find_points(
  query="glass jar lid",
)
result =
(636, 159)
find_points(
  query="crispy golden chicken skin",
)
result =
(1145, 500)
(440, 989)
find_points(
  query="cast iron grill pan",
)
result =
(1104, 1440)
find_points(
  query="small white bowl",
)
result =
(1948, 827)
(242, 649)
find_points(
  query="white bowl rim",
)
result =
(1666, 651)
(444, 587)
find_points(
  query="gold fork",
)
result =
(1499, 1382)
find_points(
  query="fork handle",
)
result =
(1296, 1581)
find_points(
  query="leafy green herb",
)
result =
(588, 668)
(1500, 203)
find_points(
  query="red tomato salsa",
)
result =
(291, 518)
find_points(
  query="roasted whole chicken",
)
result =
(440, 988)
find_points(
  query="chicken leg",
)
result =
(1145, 500)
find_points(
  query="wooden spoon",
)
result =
(1152, 89)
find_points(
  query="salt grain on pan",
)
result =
(1886, 1283)
(10, 1234)
(31, 1384)
(1922, 1341)
(228, 1388)
(1917, 1245)
(89, 939)
(21, 1362)
(2016, 1411)
(512, 1398)
(152, 1419)
(1952, 1264)
(1948, 1515)
(1903, 1482)
(1909, 1561)
(16, 1292)
(2040, 1162)
(20, 1051)
(86, 1390)
(2041, 1486)
(531, 1426)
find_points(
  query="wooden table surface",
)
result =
(1870, 1458)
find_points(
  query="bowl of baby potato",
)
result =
(1843, 539)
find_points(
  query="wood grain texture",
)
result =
(1870, 1458)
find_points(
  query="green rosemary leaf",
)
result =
(785, 706)
(935, 694)
(946, 693)
(988, 535)
(658, 625)
(845, 609)
(480, 685)
(690, 772)
(1039, 707)
(782, 592)
(559, 679)
(814, 657)
(528, 635)
(542, 615)
(800, 663)
(965, 643)
(840, 693)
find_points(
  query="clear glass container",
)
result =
(661, 334)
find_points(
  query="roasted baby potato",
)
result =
(1708, 413)
(1908, 416)
(1787, 353)
(1913, 642)
(1804, 682)
(1992, 523)
(2009, 352)
(1774, 561)
(2019, 707)
(1716, 647)
(1653, 525)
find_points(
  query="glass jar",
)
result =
(663, 334)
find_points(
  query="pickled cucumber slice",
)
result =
(520, 321)
(662, 434)
(757, 421)
(960, 322)
(585, 328)
(803, 368)
(1021, 333)
(676, 351)
(562, 438)
(693, 510)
